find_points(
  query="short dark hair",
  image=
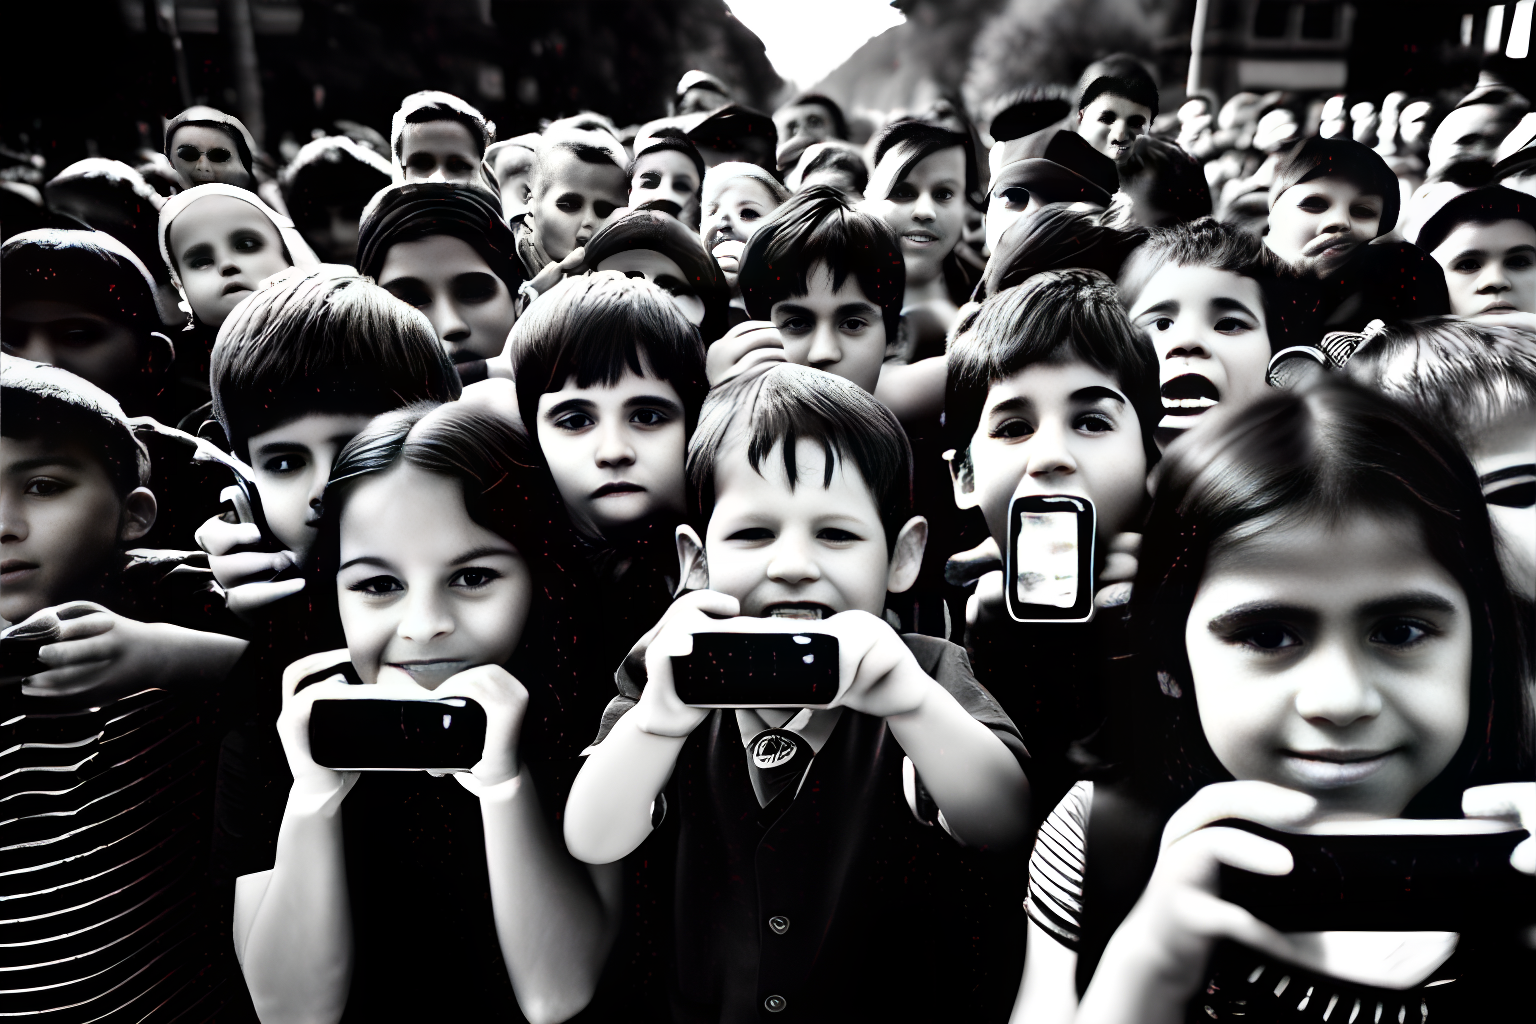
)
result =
(426, 106)
(586, 144)
(1462, 375)
(327, 172)
(595, 327)
(786, 403)
(1052, 318)
(1211, 243)
(1177, 180)
(668, 137)
(816, 226)
(1358, 164)
(420, 209)
(834, 112)
(1487, 205)
(835, 154)
(322, 340)
(1136, 88)
(42, 401)
(89, 269)
(921, 140)
(1057, 237)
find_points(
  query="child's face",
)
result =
(799, 126)
(667, 174)
(63, 334)
(616, 453)
(662, 271)
(439, 151)
(926, 209)
(1333, 659)
(1468, 134)
(223, 248)
(60, 521)
(1505, 457)
(1111, 123)
(292, 464)
(1056, 429)
(514, 176)
(807, 549)
(836, 177)
(838, 330)
(1212, 341)
(575, 200)
(205, 155)
(1317, 225)
(471, 309)
(424, 591)
(731, 218)
(1490, 269)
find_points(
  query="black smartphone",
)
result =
(445, 735)
(1456, 879)
(758, 670)
(18, 657)
(1048, 567)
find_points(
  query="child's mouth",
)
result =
(430, 674)
(1330, 770)
(617, 487)
(13, 571)
(1331, 248)
(1189, 394)
(1499, 307)
(235, 286)
(804, 610)
(728, 254)
(921, 238)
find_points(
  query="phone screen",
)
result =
(1050, 558)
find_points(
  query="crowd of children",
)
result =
(524, 428)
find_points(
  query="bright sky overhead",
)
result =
(801, 55)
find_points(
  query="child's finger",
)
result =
(75, 652)
(249, 597)
(1509, 801)
(1113, 596)
(68, 681)
(1204, 914)
(1118, 567)
(1125, 543)
(220, 538)
(92, 624)
(1260, 802)
(309, 665)
(79, 609)
(242, 565)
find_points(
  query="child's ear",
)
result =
(963, 479)
(159, 353)
(907, 555)
(692, 567)
(139, 511)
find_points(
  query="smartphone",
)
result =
(18, 657)
(1453, 877)
(446, 735)
(758, 670)
(1048, 567)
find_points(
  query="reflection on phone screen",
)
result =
(1046, 559)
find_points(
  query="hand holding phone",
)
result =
(1049, 564)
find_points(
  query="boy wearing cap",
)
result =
(1485, 241)
(1046, 166)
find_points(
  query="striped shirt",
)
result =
(1055, 900)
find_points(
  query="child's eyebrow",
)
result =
(1166, 306)
(1098, 393)
(1232, 306)
(484, 551)
(566, 405)
(660, 400)
(1260, 611)
(1520, 249)
(1414, 600)
(200, 249)
(277, 447)
(849, 309)
(377, 563)
(27, 465)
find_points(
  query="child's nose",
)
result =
(613, 446)
(924, 209)
(826, 349)
(1493, 279)
(1183, 344)
(35, 344)
(448, 321)
(793, 563)
(1335, 689)
(13, 525)
(1049, 453)
(425, 616)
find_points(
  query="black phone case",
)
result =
(397, 735)
(758, 670)
(1082, 609)
(18, 658)
(1452, 883)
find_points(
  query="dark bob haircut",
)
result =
(1057, 237)
(420, 209)
(1327, 452)
(668, 137)
(1052, 318)
(594, 328)
(1486, 205)
(649, 229)
(1119, 74)
(915, 141)
(331, 172)
(1363, 167)
(322, 340)
(819, 226)
(42, 401)
(89, 269)
(784, 404)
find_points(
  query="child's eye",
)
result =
(853, 324)
(81, 332)
(1161, 323)
(903, 193)
(796, 325)
(1520, 495)
(1313, 204)
(289, 463)
(650, 179)
(1399, 633)
(1013, 429)
(1107, 117)
(1094, 423)
(752, 533)
(1269, 636)
(836, 536)
(377, 586)
(1470, 265)
(1521, 262)
(458, 164)
(747, 213)
(200, 261)
(1363, 213)
(649, 417)
(568, 204)
(474, 287)
(249, 243)
(188, 153)
(45, 487)
(474, 578)
(1232, 325)
(943, 195)
(422, 161)
(1014, 198)
(575, 421)
(603, 209)
(411, 292)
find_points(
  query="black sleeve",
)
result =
(251, 795)
(948, 666)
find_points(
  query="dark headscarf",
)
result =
(420, 209)
(648, 229)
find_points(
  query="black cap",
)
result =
(1483, 205)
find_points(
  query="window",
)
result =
(1271, 18)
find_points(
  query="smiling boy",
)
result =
(788, 885)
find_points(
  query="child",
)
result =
(578, 183)
(107, 762)
(435, 136)
(219, 243)
(1198, 293)
(699, 92)
(441, 247)
(1329, 198)
(645, 243)
(1479, 381)
(1057, 236)
(81, 300)
(205, 145)
(737, 198)
(1050, 391)
(1165, 185)
(1047, 167)
(920, 184)
(668, 167)
(1485, 241)
(325, 188)
(1325, 637)
(1115, 109)
(288, 396)
(507, 170)
(803, 482)
(803, 122)
(437, 513)
(110, 196)
(833, 162)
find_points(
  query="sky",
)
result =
(803, 57)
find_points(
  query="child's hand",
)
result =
(743, 347)
(552, 274)
(244, 574)
(1119, 571)
(879, 675)
(978, 565)
(1163, 946)
(293, 720)
(505, 701)
(106, 654)
(1508, 801)
(659, 710)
